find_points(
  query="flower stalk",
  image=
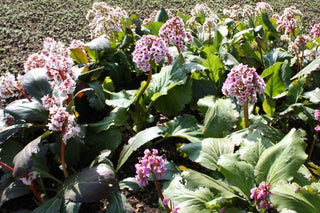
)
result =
(246, 114)
(63, 161)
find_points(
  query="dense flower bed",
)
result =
(238, 91)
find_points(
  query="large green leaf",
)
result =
(215, 67)
(71, 207)
(28, 111)
(117, 117)
(137, 141)
(220, 116)
(188, 200)
(282, 161)
(121, 99)
(36, 84)
(161, 16)
(175, 100)
(8, 150)
(115, 203)
(90, 185)
(96, 96)
(23, 160)
(13, 190)
(50, 206)
(78, 55)
(185, 126)
(313, 66)
(238, 173)
(291, 196)
(295, 90)
(8, 132)
(276, 55)
(274, 83)
(194, 179)
(313, 96)
(96, 47)
(207, 152)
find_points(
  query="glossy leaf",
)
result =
(121, 99)
(219, 115)
(71, 207)
(137, 141)
(276, 55)
(238, 173)
(78, 55)
(50, 206)
(313, 66)
(95, 47)
(274, 83)
(13, 190)
(90, 185)
(115, 203)
(36, 83)
(286, 195)
(7, 132)
(29, 111)
(207, 152)
(161, 16)
(96, 96)
(313, 96)
(282, 161)
(185, 126)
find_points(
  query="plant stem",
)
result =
(315, 138)
(35, 192)
(63, 161)
(156, 183)
(6, 166)
(144, 88)
(246, 115)
(23, 93)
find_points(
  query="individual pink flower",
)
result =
(35, 60)
(315, 31)
(65, 88)
(243, 83)
(8, 85)
(150, 48)
(151, 163)
(317, 114)
(49, 102)
(173, 32)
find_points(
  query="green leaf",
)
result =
(130, 183)
(50, 206)
(115, 203)
(117, 117)
(207, 152)
(78, 56)
(202, 88)
(291, 196)
(13, 190)
(295, 90)
(282, 161)
(29, 111)
(313, 66)
(90, 185)
(120, 99)
(238, 173)
(188, 200)
(276, 55)
(7, 132)
(161, 16)
(175, 100)
(215, 67)
(36, 84)
(97, 46)
(313, 96)
(155, 27)
(219, 116)
(8, 150)
(137, 141)
(185, 126)
(274, 83)
(23, 160)
(269, 106)
(96, 96)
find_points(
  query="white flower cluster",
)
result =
(203, 11)
(105, 20)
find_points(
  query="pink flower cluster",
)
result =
(317, 117)
(151, 163)
(150, 48)
(60, 120)
(7, 85)
(288, 21)
(315, 31)
(243, 83)
(261, 194)
(173, 32)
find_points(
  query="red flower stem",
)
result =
(180, 54)
(23, 93)
(32, 185)
(63, 161)
(35, 192)
(156, 184)
(246, 115)
(6, 166)
(315, 138)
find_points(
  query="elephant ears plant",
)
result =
(224, 107)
